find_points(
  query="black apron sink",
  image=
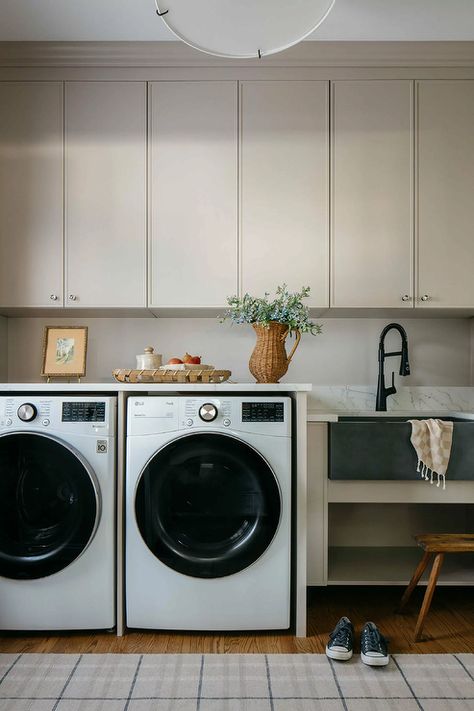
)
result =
(379, 448)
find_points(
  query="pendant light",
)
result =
(242, 29)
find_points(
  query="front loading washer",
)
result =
(57, 522)
(208, 513)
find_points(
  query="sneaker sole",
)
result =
(375, 661)
(339, 656)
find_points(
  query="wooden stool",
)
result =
(435, 544)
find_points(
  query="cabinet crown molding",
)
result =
(177, 54)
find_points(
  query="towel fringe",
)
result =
(427, 474)
(439, 480)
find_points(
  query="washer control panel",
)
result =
(81, 414)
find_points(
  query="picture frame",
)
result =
(64, 351)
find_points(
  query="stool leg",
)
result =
(414, 581)
(435, 570)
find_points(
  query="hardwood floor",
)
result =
(449, 628)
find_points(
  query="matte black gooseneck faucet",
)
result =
(382, 391)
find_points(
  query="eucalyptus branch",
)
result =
(286, 308)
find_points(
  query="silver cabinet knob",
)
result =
(53, 297)
(406, 297)
(208, 412)
(425, 297)
(72, 297)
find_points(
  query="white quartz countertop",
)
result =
(112, 386)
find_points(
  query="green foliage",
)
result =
(285, 308)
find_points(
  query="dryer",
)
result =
(57, 522)
(208, 513)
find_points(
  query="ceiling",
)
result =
(96, 20)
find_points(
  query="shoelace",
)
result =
(374, 641)
(341, 637)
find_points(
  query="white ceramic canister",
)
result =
(149, 360)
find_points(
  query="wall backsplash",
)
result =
(346, 352)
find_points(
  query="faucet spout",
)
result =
(382, 391)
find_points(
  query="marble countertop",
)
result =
(326, 404)
(316, 416)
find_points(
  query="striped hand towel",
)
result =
(432, 440)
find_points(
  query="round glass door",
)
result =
(48, 506)
(207, 505)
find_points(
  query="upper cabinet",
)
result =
(193, 193)
(112, 198)
(445, 193)
(372, 194)
(285, 187)
(105, 194)
(31, 189)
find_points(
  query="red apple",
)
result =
(194, 360)
(174, 361)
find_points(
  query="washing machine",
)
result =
(57, 522)
(208, 513)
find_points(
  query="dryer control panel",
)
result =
(263, 415)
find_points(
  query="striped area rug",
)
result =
(251, 682)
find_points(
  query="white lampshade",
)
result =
(242, 28)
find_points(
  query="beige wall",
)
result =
(3, 348)
(346, 352)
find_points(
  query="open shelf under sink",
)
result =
(390, 565)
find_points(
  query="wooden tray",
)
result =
(171, 376)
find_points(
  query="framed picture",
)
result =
(64, 351)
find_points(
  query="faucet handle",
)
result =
(392, 389)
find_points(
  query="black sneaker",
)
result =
(341, 641)
(373, 646)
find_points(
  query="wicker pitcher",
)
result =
(269, 362)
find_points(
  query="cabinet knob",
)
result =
(53, 297)
(406, 297)
(72, 297)
(425, 297)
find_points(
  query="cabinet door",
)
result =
(445, 178)
(193, 193)
(284, 187)
(372, 194)
(31, 194)
(106, 194)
